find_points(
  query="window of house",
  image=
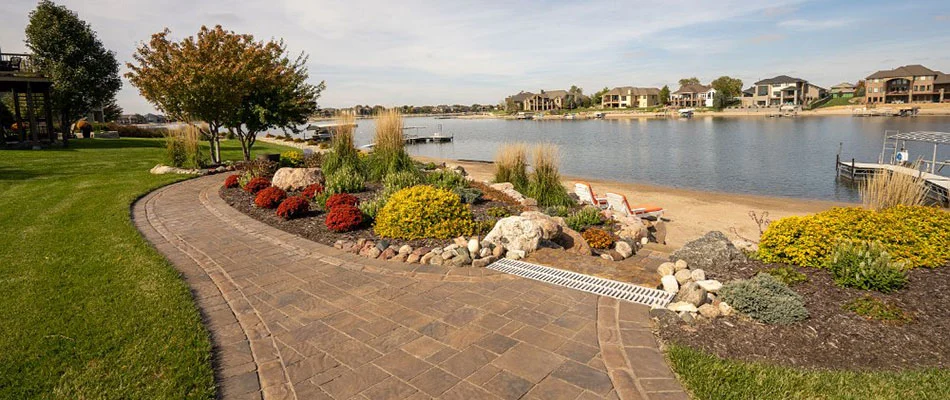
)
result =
(877, 90)
(762, 90)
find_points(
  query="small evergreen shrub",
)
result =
(875, 309)
(256, 185)
(291, 159)
(468, 195)
(585, 217)
(311, 190)
(916, 235)
(270, 197)
(232, 181)
(423, 211)
(320, 200)
(293, 207)
(344, 218)
(345, 180)
(598, 238)
(765, 299)
(788, 275)
(867, 266)
(341, 199)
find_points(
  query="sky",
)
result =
(464, 52)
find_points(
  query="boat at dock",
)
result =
(885, 112)
(894, 158)
(686, 112)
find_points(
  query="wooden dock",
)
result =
(938, 186)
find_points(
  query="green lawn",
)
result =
(838, 101)
(88, 309)
(710, 377)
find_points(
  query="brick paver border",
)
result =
(398, 330)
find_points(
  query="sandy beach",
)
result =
(692, 213)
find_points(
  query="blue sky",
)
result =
(448, 52)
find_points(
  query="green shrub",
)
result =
(545, 183)
(397, 181)
(867, 266)
(788, 275)
(875, 309)
(585, 217)
(345, 180)
(468, 195)
(175, 151)
(320, 199)
(765, 299)
(913, 234)
(371, 208)
(499, 212)
(446, 179)
(423, 212)
(558, 211)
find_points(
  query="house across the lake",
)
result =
(842, 90)
(630, 97)
(907, 84)
(547, 100)
(693, 95)
(782, 90)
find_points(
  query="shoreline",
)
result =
(691, 212)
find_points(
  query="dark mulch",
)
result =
(312, 225)
(832, 338)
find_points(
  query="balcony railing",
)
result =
(17, 63)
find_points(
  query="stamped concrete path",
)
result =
(294, 319)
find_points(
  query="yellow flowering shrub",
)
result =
(291, 158)
(917, 235)
(422, 211)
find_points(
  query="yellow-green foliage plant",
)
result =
(421, 212)
(342, 152)
(291, 158)
(886, 189)
(389, 154)
(916, 235)
(511, 165)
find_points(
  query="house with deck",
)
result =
(630, 97)
(907, 84)
(693, 95)
(30, 119)
(784, 90)
(546, 100)
(842, 90)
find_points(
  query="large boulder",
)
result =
(707, 252)
(296, 178)
(691, 293)
(573, 242)
(631, 228)
(516, 233)
(551, 227)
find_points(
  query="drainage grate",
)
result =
(586, 283)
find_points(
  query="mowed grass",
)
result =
(837, 101)
(87, 308)
(710, 377)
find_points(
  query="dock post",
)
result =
(852, 169)
(837, 162)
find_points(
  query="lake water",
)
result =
(791, 157)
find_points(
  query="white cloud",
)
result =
(817, 25)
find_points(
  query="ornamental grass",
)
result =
(342, 151)
(887, 189)
(545, 183)
(389, 154)
(511, 165)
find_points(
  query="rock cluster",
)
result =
(696, 297)
(462, 252)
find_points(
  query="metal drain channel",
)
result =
(586, 283)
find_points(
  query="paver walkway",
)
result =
(294, 319)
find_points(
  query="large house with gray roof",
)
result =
(907, 84)
(782, 90)
(630, 97)
(693, 95)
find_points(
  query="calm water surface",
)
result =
(791, 157)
